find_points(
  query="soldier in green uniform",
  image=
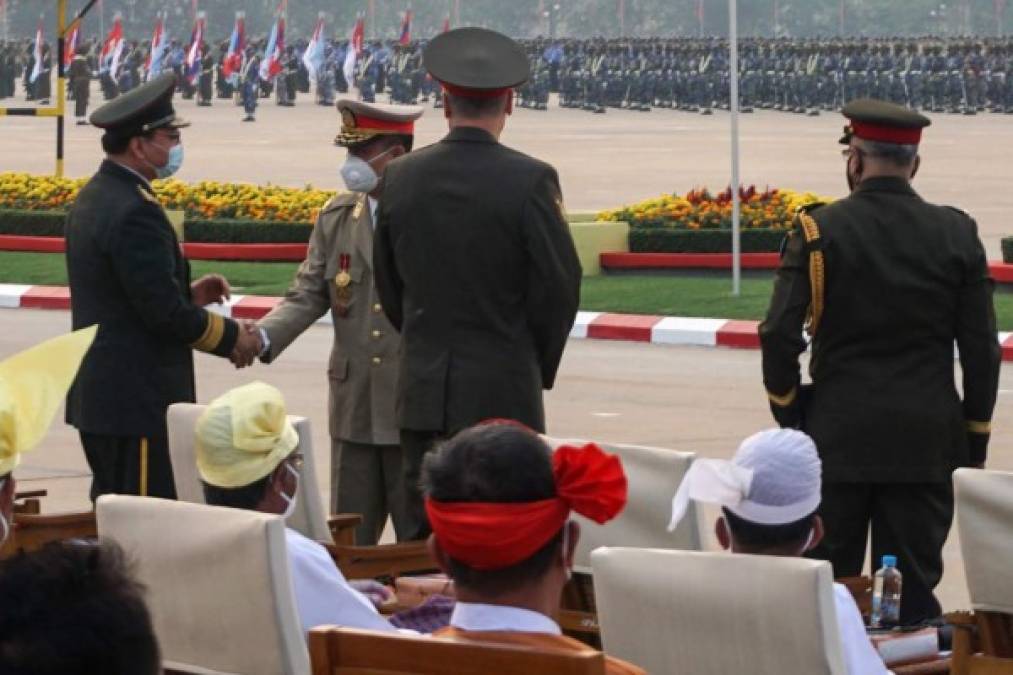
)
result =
(338, 275)
(473, 259)
(128, 275)
(885, 284)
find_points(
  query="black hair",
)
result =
(494, 463)
(113, 144)
(74, 607)
(471, 108)
(759, 536)
(246, 497)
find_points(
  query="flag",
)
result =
(112, 49)
(313, 57)
(406, 28)
(194, 55)
(37, 55)
(354, 49)
(446, 24)
(271, 65)
(70, 41)
(237, 44)
(153, 64)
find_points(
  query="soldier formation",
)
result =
(954, 75)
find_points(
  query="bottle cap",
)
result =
(889, 561)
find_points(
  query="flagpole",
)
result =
(733, 70)
(102, 18)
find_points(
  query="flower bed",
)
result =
(206, 200)
(699, 222)
(700, 210)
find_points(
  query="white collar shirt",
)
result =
(860, 657)
(322, 595)
(470, 616)
(372, 210)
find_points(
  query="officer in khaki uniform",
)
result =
(338, 275)
(885, 284)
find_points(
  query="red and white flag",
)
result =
(355, 44)
(70, 40)
(112, 48)
(237, 44)
(446, 24)
(271, 65)
(37, 54)
(195, 54)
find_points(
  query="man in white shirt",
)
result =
(770, 493)
(247, 458)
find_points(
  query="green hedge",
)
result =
(668, 240)
(50, 224)
(1007, 249)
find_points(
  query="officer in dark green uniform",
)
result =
(127, 274)
(473, 260)
(885, 284)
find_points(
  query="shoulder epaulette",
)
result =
(148, 196)
(817, 270)
(960, 211)
(340, 200)
(810, 207)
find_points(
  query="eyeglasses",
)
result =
(846, 153)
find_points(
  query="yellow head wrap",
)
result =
(33, 385)
(243, 436)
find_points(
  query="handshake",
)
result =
(249, 345)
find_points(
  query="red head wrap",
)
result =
(495, 535)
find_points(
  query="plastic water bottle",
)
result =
(886, 586)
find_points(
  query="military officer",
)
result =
(885, 283)
(127, 274)
(338, 275)
(474, 261)
(80, 84)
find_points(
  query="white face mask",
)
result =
(290, 500)
(358, 173)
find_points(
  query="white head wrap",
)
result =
(774, 479)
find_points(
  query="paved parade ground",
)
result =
(603, 160)
(693, 399)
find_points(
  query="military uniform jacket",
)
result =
(128, 275)
(476, 267)
(903, 281)
(363, 363)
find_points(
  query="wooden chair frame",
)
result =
(385, 560)
(344, 651)
(982, 643)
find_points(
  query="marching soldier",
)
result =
(885, 283)
(478, 270)
(206, 82)
(80, 84)
(128, 275)
(338, 275)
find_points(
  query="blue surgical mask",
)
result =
(174, 163)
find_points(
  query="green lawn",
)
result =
(630, 294)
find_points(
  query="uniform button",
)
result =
(377, 360)
(377, 334)
(377, 308)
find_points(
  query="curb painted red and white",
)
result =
(665, 330)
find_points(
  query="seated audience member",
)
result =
(247, 459)
(73, 608)
(33, 385)
(499, 503)
(770, 493)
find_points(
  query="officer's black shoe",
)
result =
(814, 113)
(249, 118)
(747, 109)
(706, 111)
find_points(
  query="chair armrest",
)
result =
(965, 640)
(342, 527)
(385, 560)
(33, 531)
